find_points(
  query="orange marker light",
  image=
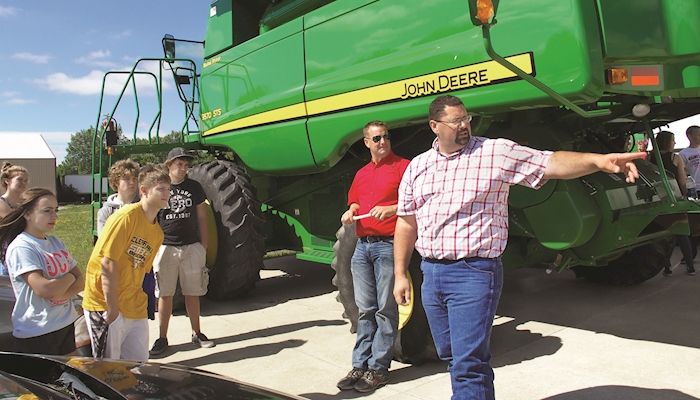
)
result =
(616, 76)
(484, 11)
(645, 76)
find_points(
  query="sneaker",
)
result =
(667, 272)
(690, 271)
(159, 346)
(202, 340)
(371, 381)
(350, 379)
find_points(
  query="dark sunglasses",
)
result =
(377, 138)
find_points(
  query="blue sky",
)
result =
(54, 54)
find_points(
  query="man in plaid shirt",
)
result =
(453, 207)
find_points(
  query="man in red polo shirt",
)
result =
(373, 200)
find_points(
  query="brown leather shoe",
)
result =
(350, 379)
(371, 381)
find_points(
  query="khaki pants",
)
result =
(183, 262)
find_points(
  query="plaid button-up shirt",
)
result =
(460, 200)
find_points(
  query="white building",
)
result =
(30, 151)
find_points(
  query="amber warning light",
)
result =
(617, 76)
(484, 11)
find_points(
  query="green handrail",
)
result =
(97, 147)
(486, 31)
(660, 165)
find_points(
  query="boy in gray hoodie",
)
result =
(122, 179)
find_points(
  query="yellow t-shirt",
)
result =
(131, 241)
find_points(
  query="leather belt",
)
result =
(445, 261)
(375, 239)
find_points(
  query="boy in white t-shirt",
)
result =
(691, 154)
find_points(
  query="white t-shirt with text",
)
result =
(34, 315)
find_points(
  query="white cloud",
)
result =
(11, 98)
(91, 83)
(35, 58)
(121, 35)
(95, 55)
(7, 11)
(98, 59)
(57, 141)
(17, 101)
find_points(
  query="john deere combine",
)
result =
(286, 86)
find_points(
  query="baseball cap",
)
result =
(178, 152)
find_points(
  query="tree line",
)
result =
(79, 153)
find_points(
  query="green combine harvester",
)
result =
(286, 86)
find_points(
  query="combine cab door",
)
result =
(254, 81)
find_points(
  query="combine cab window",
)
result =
(232, 22)
(282, 11)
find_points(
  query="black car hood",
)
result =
(87, 378)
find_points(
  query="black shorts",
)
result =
(60, 342)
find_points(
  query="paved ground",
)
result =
(556, 338)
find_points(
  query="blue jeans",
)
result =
(373, 279)
(460, 300)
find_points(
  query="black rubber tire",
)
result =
(632, 268)
(343, 248)
(413, 344)
(239, 227)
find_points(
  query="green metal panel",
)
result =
(568, 218)
(565, 52)
(637, 29)
(682, 26)
(522, 197)
(219, 27)
(254, 146)
(314, 248)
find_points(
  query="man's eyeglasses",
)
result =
(377, 138)
(464, 120)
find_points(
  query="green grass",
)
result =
(74, 228)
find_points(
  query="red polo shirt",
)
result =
(377, 185)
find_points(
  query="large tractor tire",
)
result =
(632, 268)
(413, 344)
(239, 243)
(343, 248)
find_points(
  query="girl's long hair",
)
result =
(14, 223)
(664, 138)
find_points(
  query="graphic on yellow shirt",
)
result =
(139, 250)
